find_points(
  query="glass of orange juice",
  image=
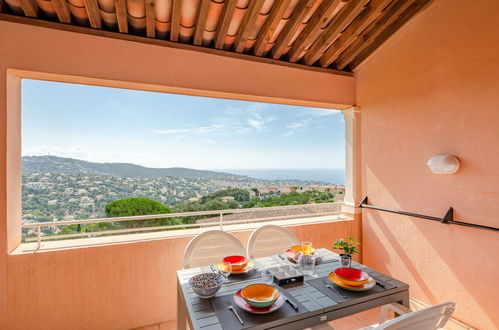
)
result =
(306, 247)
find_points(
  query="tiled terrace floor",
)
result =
(354, 322)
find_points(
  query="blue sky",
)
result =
(165, 130)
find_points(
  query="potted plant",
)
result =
(348, 246)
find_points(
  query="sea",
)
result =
(326, 175)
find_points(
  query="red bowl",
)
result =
(236, 262)
(351, 274)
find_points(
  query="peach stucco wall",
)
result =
(126, 285)
(119, 286)
(432, 89)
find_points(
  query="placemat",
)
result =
(229, 321)
(319, 285)
(240, 277)
(325, 259)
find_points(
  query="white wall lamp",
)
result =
(443, 164)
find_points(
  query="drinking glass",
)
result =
(307, 264)
(226, 270)
(267, 276)
(346, 260)
(306, 247)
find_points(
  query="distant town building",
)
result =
(86, 201)
(287, 189)
(52, 202)
(227, 198)
(267, 190)
(36, 185)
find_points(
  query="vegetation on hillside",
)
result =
(54, 164)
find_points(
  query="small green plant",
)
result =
(347, 245)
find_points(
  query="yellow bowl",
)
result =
(260, 295)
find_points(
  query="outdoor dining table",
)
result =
(317, 303)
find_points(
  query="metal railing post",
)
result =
(221, 219)
(39, 236)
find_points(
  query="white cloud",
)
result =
(193, 130)
(256, 124)
(297, 125)
(78, 152)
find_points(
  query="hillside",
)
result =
(53, 164)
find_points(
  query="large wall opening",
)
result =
(92, 152)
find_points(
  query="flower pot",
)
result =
(346, 260)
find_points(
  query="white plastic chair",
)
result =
(269, 240)
(431, 318)
(211, 247)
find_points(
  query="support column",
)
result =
(353, 187)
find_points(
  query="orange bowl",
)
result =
(346, 282)
(237, 262)
(260, 295)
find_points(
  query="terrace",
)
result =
(414, 79)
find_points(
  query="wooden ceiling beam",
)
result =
(62, 10)
(299, 13)
(247, 24)
(314, 26)
(337, 25)
(93, 13)
(270, 25)
(371, 34)
(389, 31)
(363, 20)
(150, 19)
(224, 22)
(30, 8)
(121, 15)
(175, 29)
(201, 22)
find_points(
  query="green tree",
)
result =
(138, 206)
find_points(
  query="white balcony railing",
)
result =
(334, 211)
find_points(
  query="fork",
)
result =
(334, 289)
(230, 307)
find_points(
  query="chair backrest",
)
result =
(430, 318)
(211, 247)
(269, 240)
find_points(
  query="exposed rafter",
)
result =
(62, 10)
(201, 22)
(247, 24)
(30, 8)
(339, 23)
(175, 29)
(313, 28)
(302, 9)
(371, 13)
(270, 25)
(150, 19)
(386, 31)
(224, 22)
(121, 15)
(93, 13)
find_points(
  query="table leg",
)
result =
(404, 301)
(181, 309)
